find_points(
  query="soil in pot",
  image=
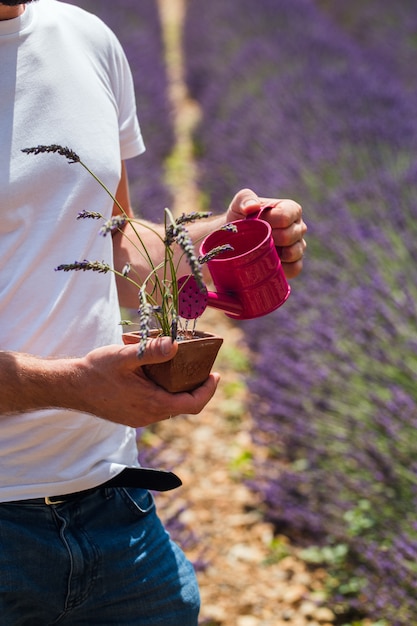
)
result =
(190, 367)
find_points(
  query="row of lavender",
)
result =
(305, 99)
(138, 27)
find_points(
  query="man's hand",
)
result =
(285, 217)
(119, 391)
(108, 382)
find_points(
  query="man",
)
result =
(80, 542)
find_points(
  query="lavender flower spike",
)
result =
(94, 266)
(82, 215)
(70, 155)
(145, 312)
(214, 252)
(114, 223)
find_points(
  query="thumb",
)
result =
(244, 203)
(158, 350)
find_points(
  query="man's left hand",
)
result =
(285, 217)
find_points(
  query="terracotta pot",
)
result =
(191, 365)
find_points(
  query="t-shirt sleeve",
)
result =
(131, 141)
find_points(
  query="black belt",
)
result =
(140, 477)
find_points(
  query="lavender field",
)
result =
(317, 102)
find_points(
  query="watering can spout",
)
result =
(225, 302)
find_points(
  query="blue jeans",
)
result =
(102, 559)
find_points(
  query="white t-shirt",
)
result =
(64, 79)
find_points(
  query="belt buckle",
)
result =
(49, 500)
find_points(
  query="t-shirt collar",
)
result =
(17, 24)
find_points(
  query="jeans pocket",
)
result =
(139, 501)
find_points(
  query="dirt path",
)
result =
(181, 168)
(252, 578)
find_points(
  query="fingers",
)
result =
(293, 234)
(161, 404)
(293, 252)
(193, 402)
(288, 231)
(282, 213)
(292, 257)
(292, 270)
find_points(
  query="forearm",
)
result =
(29, 383)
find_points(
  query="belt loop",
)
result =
(108, 492)
(50, 501)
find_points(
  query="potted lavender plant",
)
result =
(161, 309)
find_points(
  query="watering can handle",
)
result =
(256, 215)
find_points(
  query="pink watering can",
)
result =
(249, 279)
